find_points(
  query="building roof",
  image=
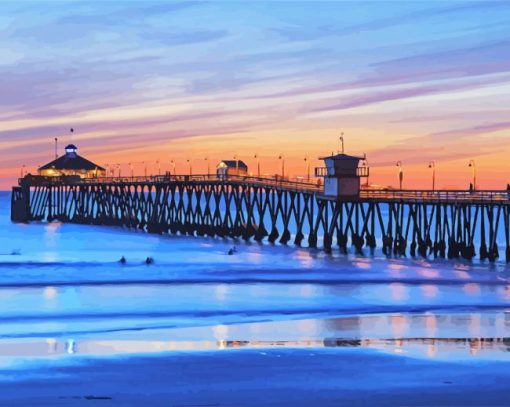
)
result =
(342, 157)
(71, 162)
(234, 164)
(71, 147)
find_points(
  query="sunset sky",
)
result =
(142, 81)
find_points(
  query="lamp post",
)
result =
(208, 167)
(190, 162)
(56, 148)
(281, 157)
(307, 161)
(365, 164)
(342, 140)
(473, 167)
(400, 173)
(23, 170)
(119, 167)
(258, 164)
(144, 168)
(159, 167)
(237, 163)
(172, 162)
(131, 169)
(432, 165)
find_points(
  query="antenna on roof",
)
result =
(342, 141)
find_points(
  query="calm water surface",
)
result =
(63, 294)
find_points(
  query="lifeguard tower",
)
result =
(342, 175)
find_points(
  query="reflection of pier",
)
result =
(448, 224)
(448, 348)
(442, 335)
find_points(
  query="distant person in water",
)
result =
(149, 260)
(122, 260)
(232, 251)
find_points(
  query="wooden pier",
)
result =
(445, 224)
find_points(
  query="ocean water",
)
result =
(64, 295)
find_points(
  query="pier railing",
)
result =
(342, 172)
(277, 182)
(435, 196)
(286, 183)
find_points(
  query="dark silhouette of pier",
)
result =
(444, 224)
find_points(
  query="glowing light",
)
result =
(50, 293)
(70, 346)
(52, 345)
(220, 332)
(221, 292)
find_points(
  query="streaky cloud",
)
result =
(473, 130)
(468, 62)
(186, 37)
(307, 33)
(369, 98)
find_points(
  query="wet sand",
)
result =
(240, 377)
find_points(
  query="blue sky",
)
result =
(142, 81)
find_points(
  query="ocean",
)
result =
(66, 300)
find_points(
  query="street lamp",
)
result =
(256, 156)
(237, 164)
(23, 170)
(159, 167)
(432, 165)
(173, 166)
(208, 168)
(365, 164)
(144, 163)
(131, 169)
(400, 173)
(190, 162)
(307, 161)
(119, 168)
(281, 157)
(473, 166)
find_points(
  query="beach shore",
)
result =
(237, 377)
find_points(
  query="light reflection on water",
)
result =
(430, 291)
(440, 336)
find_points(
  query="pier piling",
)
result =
(452, 224)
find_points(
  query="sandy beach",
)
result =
(287, 377)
